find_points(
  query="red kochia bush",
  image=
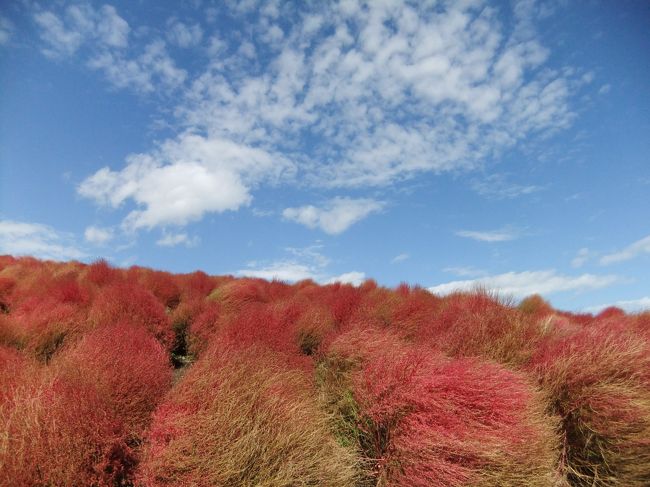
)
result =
(53, 432)
(42, 324)
(427, 420)
(127, 301)
(598, 383)
(241, 417)
(129, 368)
(435, 422)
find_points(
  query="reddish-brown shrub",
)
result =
(598, 382)
(129, 368)
(477, 324)
(127, 301)
(40, 325)
(240, 417)
(53, 432)
(161, 284)
(101, 273)
(422, 419)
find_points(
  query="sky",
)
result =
(445, 144)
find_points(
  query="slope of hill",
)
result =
(119, 377)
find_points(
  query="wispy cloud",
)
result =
(583, 255)
(633, 250)
(522, 284)
(6, 30)
(631, 305)
(336, 216)
(35, 239)
(399, 258)
(465, 271)
(174, 239)
(502, 235)
(496, 186)
(300, 264)
(103, 37)
(184, 35)
(63, 34)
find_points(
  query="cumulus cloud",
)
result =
(633, 250)
(174, 239)
(502, 235)
(522, 284)
(35, 239)
(336, 216)
(98, 235)
(183, 180)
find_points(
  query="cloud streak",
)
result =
(522, 284)
(632, 251)
(37, 240)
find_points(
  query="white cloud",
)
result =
(6, 30)
(630, 306)
(441, 89)
(174, 239)
(98, 235)
(300, 264)
(336, 216)
(184, 35)
(151, 69)
(355, 278)
(604, 89)
(465, 271)
(353, 97)
(64, 34)
(182, 180)
(633, 250)
(522, 284)
(399, 258)
(584, 254)
(496, 186)
(35, 239)
(502, 235)
(103, 36)
(281, 270)
(61, 42)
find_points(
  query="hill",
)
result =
(118, 377)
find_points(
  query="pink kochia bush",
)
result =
(427, 420)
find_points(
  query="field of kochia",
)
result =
(136, 377)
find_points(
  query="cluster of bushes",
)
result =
(134, 377)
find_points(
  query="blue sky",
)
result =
(447, 144)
